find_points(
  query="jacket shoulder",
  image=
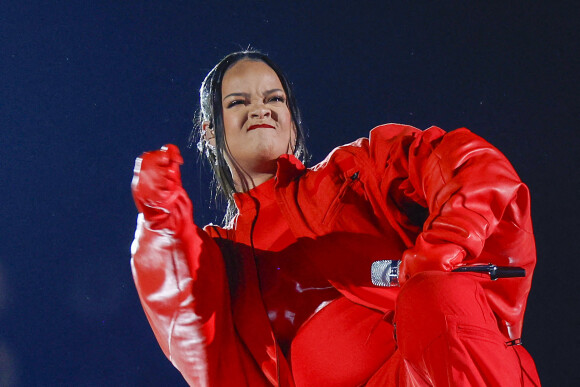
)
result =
(382, 140)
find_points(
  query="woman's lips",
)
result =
(260, 126)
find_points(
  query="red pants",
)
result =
(446, 335)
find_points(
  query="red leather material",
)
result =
(478, 209)
(435, 200)
(156, 185)
(291, 287)
(181, 280)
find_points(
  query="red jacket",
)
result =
(435, 200)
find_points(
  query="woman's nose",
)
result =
(260, 111)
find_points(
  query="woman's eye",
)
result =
(277, 98)
(235, 102)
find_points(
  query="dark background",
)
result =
(85, 88)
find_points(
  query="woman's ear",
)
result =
(208, 132)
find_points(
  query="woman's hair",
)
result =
(211, 111)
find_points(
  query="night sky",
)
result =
(88, 86)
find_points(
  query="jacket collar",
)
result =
(289, 168)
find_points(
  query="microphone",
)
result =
(386, 272)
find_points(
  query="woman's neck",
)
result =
(251, 180)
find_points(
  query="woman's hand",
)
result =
(156, 183)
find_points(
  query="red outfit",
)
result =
(432, 199)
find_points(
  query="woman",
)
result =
(282, 295)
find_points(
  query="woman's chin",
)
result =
(269, 153)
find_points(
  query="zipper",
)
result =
(335, 206)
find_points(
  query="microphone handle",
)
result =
(494, 271)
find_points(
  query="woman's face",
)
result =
(257, 121)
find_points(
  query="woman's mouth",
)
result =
(260, 126)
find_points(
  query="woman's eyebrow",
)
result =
(246, 95)
(273, 91)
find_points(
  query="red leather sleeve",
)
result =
(471, 191)
(183, 290)
(478, 208)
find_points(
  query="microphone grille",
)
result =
(385, 272)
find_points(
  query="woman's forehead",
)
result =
(250, 73)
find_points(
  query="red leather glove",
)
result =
(157, 188)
